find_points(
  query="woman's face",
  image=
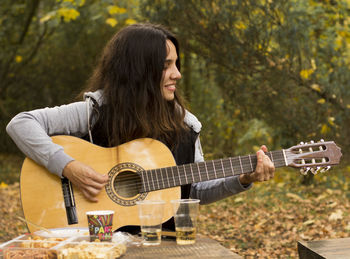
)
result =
(170, 73)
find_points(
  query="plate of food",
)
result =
(62, 232)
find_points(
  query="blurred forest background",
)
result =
(272, 72)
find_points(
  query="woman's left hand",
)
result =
(264, 170)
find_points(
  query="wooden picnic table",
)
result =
(204, 248)
(338, 248)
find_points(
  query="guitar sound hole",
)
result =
(127, 184)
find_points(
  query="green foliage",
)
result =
(50, 49)
(254, 72)
(284, 64)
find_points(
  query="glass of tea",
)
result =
(151, 216)
(185, 215)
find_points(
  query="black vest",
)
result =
(183, 154)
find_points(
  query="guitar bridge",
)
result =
(69, 201)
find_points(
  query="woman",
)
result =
(131, 94)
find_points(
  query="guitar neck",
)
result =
(162, 178)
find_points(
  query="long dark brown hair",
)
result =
(130, 73)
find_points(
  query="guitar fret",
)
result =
(227, 168)
(251, 165)
(284, 156)
(183, 166)
(178, 174)
(143, 181)
(219, 169)
(161, 173)
(223, 170)
(210, 167)
(214, 169)
(155, 171)
(206, 170)
(247, 168)
(192, 172)
(199, 173)
(149, 186)
(233, 171)
(279, 158)
(271, 157)
(167, 176)
(172, 172)
(152, 172)
(240, 162)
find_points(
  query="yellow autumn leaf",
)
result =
(18, 59)
(309, 222)
(112, 22)
(331, 121)
(239, 199)
(48, 17)
(3, 185)
(336, 215)
(321, 101)
(113, 9)
(305, 73)
(75, 2)
(68, 14)
(316, 87)
(313, 64)
(295, 197)
(240, 26)
(130, 21)
(325, 129)
(348, 106)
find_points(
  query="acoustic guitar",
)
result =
(143, 169)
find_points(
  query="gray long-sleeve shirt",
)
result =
(31, 132)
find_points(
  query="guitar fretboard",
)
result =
(162, 178)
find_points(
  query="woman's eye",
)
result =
(166, 65)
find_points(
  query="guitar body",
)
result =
(42, 196)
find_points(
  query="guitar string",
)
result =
(179, 178)
(214, 163)
(227, 160)
(184, 177)
(137, 185)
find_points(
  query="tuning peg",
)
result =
(304, 170)
(313, 171)
(324, 169)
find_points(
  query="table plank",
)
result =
(204, 248)
(338, 248)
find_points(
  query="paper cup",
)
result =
(100, 224)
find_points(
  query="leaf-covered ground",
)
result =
(264, 222)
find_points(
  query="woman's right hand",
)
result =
(85, 178)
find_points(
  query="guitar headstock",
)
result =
(313, 157)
